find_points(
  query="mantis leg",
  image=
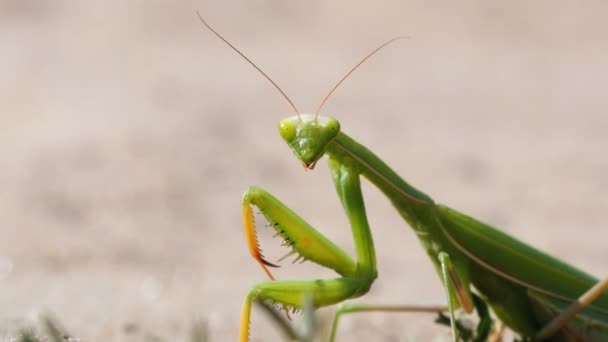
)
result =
(311, 245)
(292, 294)
(341, 175)
(482, 333)
(348, 308)
(454, 291)
(296, 233)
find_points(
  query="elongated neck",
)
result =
(347, 151)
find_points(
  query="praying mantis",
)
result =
(536, 295)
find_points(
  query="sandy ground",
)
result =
(129, 134)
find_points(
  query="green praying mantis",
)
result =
(536, 295)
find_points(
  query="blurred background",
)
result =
(129, 134)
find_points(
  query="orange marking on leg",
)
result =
(252, 239)
(245, 318)
(305, 242)
(460, 291)
(249, 228)
(266, 270)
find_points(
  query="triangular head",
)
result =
(308, 136)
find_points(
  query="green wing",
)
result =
(588, 325)
(515, 260)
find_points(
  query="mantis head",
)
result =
(308, 136)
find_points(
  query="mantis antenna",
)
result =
(250, 62)
(351, 71)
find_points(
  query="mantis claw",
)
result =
(268, 263)
(252, 240)
(263, 263)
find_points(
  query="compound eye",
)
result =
(287, 129)
(333, 126)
